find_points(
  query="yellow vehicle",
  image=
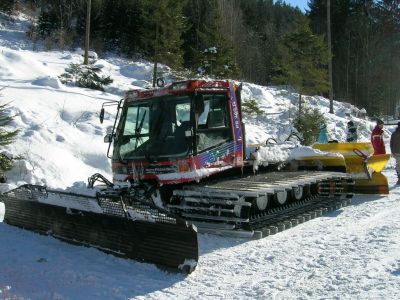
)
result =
(354, 158)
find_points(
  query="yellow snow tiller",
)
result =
(358, 161)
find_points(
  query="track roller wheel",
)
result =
(259, 204)
(262, 203)
(281, 197)
(297, 193)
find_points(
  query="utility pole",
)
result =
(328, 24)
(155, 56)
(86, 59)
(300, 104)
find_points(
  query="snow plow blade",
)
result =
(378, 162)
(326, 163)
(365, 167)
(353, 162)
(344, 148)
(138, 233)
(378, 184)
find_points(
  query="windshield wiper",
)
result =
(138, 130)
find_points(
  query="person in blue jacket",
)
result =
(323, 134)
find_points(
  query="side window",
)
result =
(203, 117)
(136, 117)
(182, 113)
(130, 124)
(213, 123)
(137, 122)
(217, 114)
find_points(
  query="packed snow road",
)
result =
(351, 253)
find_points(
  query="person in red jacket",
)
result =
(377, 138)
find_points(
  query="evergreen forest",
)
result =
(261, 41)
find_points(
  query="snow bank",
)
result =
(298, 153)
(19, 65)
(91, 54)
(138, 71)
(53, 82)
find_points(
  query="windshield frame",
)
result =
(161, 111)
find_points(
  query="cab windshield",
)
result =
(159, 127)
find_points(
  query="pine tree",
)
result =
(263, 24)
(388, 62)
(303, 61)
(57, 21)
(115, 26)
(6, 137)
(209, 49)
(86, 76)
(308, 123)
(7, 6)
(365, 49)
(97, 40)
(130, 36)
(162, 26)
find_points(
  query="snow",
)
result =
(2, 211)
(300, 152)
(353, 253)
(53, 82)
(197, 174)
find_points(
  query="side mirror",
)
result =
(108, 138)
(102, 115)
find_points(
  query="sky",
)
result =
(302, 4)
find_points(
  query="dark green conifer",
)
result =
(303, 61)
(7, 137)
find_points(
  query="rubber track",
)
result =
(329, 189)
(164, 244)
(291, 215)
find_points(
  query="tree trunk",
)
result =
(86, 59)
(328, 14)
(155, 56)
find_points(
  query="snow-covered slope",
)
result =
(353, 253)
(61, 139)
